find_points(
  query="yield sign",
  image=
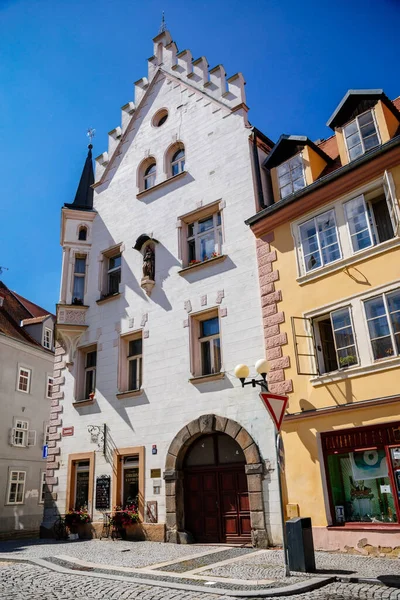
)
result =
(276, 406)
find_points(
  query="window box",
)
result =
(105, 299)
(202, 264)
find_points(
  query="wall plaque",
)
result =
(154, 473)
(103, 488)
(152, 511)
(68, 431)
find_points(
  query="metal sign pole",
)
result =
(278, 442)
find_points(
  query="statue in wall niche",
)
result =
(149, 263)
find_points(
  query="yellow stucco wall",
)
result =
(303, 476)
(313, 164)
(387, 122)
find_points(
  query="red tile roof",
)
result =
(31, 307)
(13, 311)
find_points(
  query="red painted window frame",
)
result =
(388, 439)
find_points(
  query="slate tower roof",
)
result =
(84, 193)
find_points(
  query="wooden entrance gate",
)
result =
(216, 495)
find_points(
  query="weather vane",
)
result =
(91, 133)
(163, 26)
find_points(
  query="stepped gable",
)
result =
(192, 73)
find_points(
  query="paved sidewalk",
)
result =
(212, 571)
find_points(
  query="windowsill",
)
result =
(161, 184)
(86, 402)
(202, 264)
(129, 394)
(360, 526)
(71, 305)
(383, 364)
(108, 298)
(206, 378)
(348, 261)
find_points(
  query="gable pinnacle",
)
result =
(163, 26)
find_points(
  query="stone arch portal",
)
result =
(173, 475)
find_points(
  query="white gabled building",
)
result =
(159, 301)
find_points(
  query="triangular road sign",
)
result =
(276, 406)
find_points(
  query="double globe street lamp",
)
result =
(242, 372)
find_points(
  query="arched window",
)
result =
(178, 162)
(82, 235)
(150, 176)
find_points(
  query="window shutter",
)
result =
(12, 436)
(393, 206)
(304, 346)
(31, 438)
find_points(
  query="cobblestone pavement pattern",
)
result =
(22, 581)
(269, 565)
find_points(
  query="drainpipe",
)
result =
(260, 195)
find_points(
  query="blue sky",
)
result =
(69, 65)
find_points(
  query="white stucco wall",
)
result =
(218, 161)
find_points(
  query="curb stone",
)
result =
(288, 590)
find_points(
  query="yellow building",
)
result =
(328, 240)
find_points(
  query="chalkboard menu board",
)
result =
(103, 487)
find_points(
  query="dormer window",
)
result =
(291, 176)
(361, 135)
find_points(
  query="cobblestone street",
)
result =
(103, 570)
(25, 581)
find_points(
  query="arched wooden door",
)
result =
(215, 490)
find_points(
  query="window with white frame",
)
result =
(291, 176)
(90, 373)
(178, 162)
(114, 274)
(16, 487)
(351, 226)
(383, 319)
(78, 291)
(206, 343)
(20, 434)
(47, 338)
(49, 386)
(42, 491)
(135, 358)
(335, 341)
(149, 176)
(319, 241)
(130, 371)
(204, 239)
(368, 220)
(24, 380)
(361, 134)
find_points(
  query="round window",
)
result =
(160, 117)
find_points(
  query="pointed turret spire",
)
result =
(163, 26)
(84, 193)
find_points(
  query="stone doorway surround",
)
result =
(173, 476)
